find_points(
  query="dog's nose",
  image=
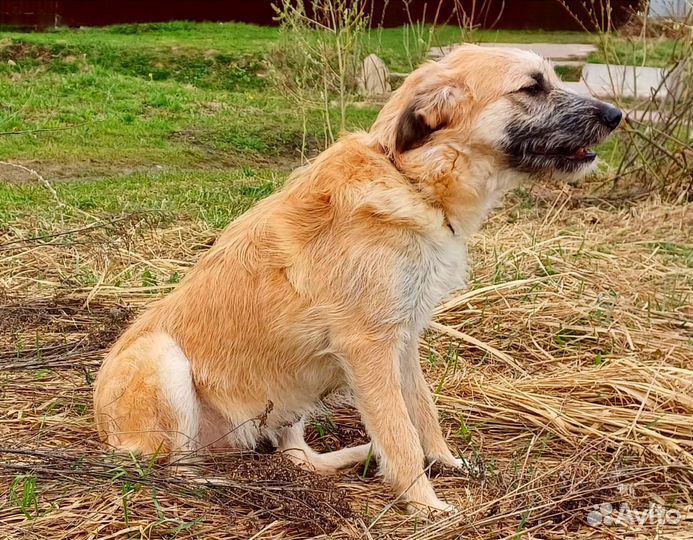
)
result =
(611, 116)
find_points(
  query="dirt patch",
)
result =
(283, 157)
(62, 314)
(57, 332)
(17, 51)
(277, 489)
(251, 490)
(339, 428)
(16, 175)
(59, 171)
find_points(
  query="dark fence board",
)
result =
(520, 14)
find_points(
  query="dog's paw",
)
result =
(465, 464)
(459, 464)
(448, 509)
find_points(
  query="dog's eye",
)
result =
(533, 90)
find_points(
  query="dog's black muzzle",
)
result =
(557, 136)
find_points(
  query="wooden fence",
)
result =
(520, 14)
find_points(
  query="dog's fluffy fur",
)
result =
(329, 282)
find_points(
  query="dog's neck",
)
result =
(465, 191)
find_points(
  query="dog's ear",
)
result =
(412, 129)
(427, 112)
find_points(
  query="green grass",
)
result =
(235, 38)
(110, 101)
(661, 52)
(569, 73)
(216, 197)
(128, 121)
(23, 494)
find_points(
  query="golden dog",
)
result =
(329, 282)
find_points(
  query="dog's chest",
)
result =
(438, 268)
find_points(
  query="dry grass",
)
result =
(565, 372)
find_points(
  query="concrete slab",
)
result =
(550, 51)
(624, 81)
(579, 88)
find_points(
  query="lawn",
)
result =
(563, 372)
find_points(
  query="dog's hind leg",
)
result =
(145, 400)
(293, 445)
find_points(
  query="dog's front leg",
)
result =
(422, 410)
(374, 373)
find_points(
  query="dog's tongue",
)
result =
(582, 153)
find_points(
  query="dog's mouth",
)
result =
(581, 154)
(561, 137)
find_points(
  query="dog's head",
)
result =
(507, 104)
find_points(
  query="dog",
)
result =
(328, 283)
